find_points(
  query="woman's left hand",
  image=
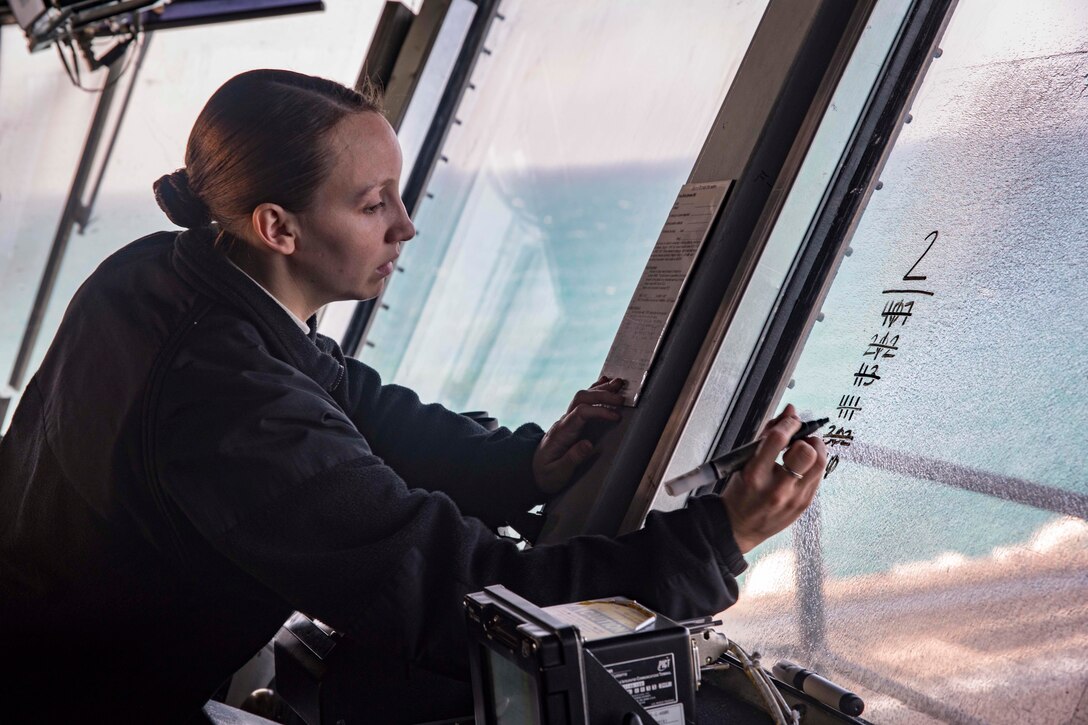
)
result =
(565, 446)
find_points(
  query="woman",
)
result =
(192, 462)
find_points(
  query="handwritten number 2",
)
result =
(908, 277)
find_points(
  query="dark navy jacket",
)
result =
(188, 467)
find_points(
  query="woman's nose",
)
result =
(400, 232)
(404, 230)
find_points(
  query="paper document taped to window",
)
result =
(654, 301)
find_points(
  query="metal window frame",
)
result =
(76, 210)
(766, 122)
(430, 153)
(823, 250)
(406, 54)
(824, 247)
(387, 48)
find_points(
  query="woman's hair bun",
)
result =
(181, 205)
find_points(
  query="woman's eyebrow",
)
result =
(359, 195)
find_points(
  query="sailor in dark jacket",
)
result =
(193, 462)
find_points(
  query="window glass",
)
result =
(46, 121)
(582, 122)
(805, 198)
(943, 573)
(43, 122)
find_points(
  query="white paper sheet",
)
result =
(655, 298)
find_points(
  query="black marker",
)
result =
(719, 468)
(818, 687)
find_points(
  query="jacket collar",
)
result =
(208, 270)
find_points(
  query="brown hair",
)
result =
(260, 138)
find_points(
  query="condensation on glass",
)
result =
(581, 123)
(944, 572)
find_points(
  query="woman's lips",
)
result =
(386, 269)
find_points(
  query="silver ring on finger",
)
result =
(790, 471)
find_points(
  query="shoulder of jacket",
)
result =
(154, 243)
(212, 331)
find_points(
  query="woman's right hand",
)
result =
(764, 497)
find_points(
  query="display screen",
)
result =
(514, 696)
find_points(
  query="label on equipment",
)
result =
(601, 618)
(651, 682)
(668, 714)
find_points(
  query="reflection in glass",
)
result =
(945, 572)
(566, 157)
(514, 693)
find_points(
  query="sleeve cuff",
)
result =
(517, 479)
(528, 438)
(712, 517)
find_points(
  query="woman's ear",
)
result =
(275, 228)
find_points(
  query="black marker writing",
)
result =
(882, 347)
(898, 311)
(866, 376)
(848, 405)
(908, 277)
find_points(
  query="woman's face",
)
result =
(351, 235)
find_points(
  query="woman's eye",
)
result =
(376, 208)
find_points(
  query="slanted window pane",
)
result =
(582, 123)
(43, 121)
(948, 553)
